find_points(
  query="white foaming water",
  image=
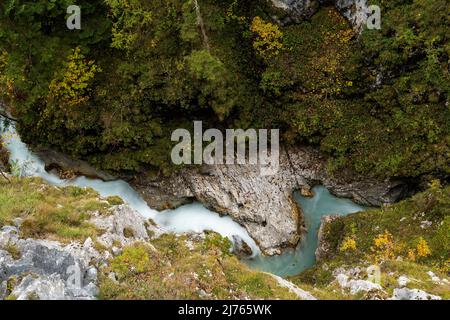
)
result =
(195, 217)
(186, 219)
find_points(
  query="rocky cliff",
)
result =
(46, 269)
(99, 249)
(264, 204)
(354, 10)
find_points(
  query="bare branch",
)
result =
(4, 115)
(4, 176)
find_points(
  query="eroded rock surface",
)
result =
(412, 294)
(50, 270)
(63, 164)
(323, 247)
(264, 204)
(356, 286)
(302, 294)
(44, 268)
(355, 11)
(296, 9)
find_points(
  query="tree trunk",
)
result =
(201, 25)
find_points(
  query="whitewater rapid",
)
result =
(186, 219)
(194, 217)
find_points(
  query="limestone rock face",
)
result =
(60, 162)
(355, 11)
(412, 294)
(46, 268)
(323, 247)
(302, 294)
(240, 248)
(124, 225)
(297, 9)
(41, 287)
(356, 286)
(264, 205)
(49, 270)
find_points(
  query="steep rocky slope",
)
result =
(264, 204)
(67, 243)
(354, 10)
(117, 254)
(403, 248)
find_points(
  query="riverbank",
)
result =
(237, 181)
(263, 205)
(73, 221)
(70, 243)
(303, 257)
(405, 246)
(50, 234)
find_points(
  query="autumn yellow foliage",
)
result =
(268, 42)
(73, 88)
(423, 250)
(411, 255)
(349, 244)
(383, 247)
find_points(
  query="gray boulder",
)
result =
(412, 294)
(355, 11)
(49, 270)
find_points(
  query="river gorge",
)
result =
(195, 218)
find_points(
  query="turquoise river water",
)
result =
(195, 217)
